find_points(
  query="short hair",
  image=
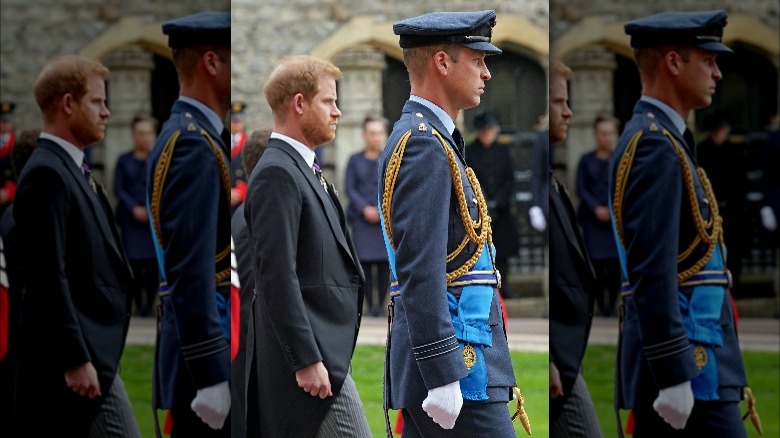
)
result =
(602, 118)
(648, 58)
(416, 58)
(23, 148)
(185, 58)
(140, 118)
(371, 118)
(557, 68)
(296, 74)
(254, 147)
(65, 75)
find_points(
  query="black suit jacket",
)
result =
(75, 307)
(572, 281)
(308, 282)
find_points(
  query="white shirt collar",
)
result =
(75, 153)
(212, 117)
(307, 154)
(673, 115)
(445, 118)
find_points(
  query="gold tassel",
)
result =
(521, 411)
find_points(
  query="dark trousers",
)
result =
(607, 279)
(708, 419)
(145, 279)
(377, 273)
(475, 420)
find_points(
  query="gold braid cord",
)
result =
(707, 231)
(158, 181)
(224, 173)
(478, 231)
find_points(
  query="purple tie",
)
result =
(88, 173)
(318, 172)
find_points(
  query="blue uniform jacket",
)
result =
(190, 214)
(426, 226)
(657, 225)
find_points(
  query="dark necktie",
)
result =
(690, 141)
(88, 173)
(318, 172)
(458, 137)
(225, 136)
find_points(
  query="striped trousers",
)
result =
(576, 418)
(346, 417)
(115, 417)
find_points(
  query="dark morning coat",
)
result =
(657, 226)
(190, 212)
(308, 282)
(572, 283)
(75, 307)
(426, 226)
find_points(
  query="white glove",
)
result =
(768, 219)
(674, 404)
(443, 404)
(537, 218)
(212, 404)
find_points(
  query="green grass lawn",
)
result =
(763, 376)
(367, 369)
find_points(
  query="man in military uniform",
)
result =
(449, 364)
(679, 363)
(7, 137)
(238, 176)
(189, 204)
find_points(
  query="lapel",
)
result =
(562, 208)
(99, 210)
(642, 108)
(329, 203)
(413, 107)
(185, 108)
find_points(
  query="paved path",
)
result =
(524, 334)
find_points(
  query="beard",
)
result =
(85, 130)
(315, 130)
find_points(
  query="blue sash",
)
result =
(469, 313)
(223, 301)
(700, 311)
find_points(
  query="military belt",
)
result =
(720, 278)
(470, 278)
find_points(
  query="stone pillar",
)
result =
(129, 94)
(590, 95)
(359, 93)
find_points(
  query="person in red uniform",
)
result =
(238, 137)
(7, 138)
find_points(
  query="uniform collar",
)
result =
(211, 116)
(673, 115)
(73, 152)
(306, 153)
(444, 118)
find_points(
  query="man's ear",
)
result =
(297, 103)
(441, 61)
(210, 62)
(67, 102)
(672, 61)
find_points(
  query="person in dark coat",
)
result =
(493, 167)
(726, 168)
(572, 281)
(307, 274)
(363, 214)
(593, 212)
(75, 309)
(245, 390)
(189, 204)
(679, 365)
(132, 216)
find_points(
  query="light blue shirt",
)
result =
(445, 118)
(307, 154)
(75, 153)
(673, 115)
(212, 117)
